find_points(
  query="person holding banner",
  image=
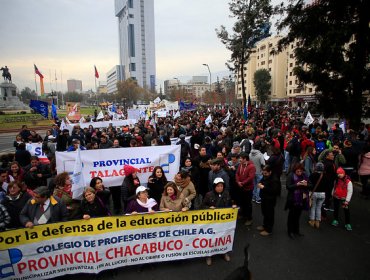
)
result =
(142, 203)
(63, 191)
(172, 199)
(129, 185)
(92, 206)
(185, 186)
(43, 209)
(101, 191)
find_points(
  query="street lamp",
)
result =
(210, 77)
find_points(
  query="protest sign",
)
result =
(108, 163)
(91, 246)
(35, 149)
(73, 111)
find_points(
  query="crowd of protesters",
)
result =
(229, 162)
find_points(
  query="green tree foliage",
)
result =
(129, 90)
(73, 97)
(262, 83)
(251, 25)
(333, 46)
(27, 94)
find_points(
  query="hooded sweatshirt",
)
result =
(258, 160)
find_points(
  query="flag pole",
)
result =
(56, 86)
(34, 72)
(61, 87)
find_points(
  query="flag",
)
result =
(342, 125)
(177, 115)
(63, 125)
(40, 107)
(100, 115)
(309, 119)
(249, 103)
(245, 113)
(96, 73)
(67, 120)
(157, 100)
(225, 120)
(77, 178)
(321, 118)
(38, 72)
(208, 119)
(42, 89)
(54, 114)
(82, 120)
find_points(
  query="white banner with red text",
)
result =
(108, 163)
(91, 246)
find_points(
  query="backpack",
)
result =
(320, 146)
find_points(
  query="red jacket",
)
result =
(245, 175)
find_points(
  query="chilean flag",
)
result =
(96, 73)
(38, 72)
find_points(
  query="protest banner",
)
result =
(35, 149)
(108, 163)
(90, 246)
(73, 111)
(102, 124)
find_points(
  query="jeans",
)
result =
(256, 190)
(287, 160)
(317, 201)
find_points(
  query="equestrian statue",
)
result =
(6, 73)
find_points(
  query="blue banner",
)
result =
(187, 106)
(40, 107)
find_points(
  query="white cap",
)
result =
(196, 146)
(140, 189)
(218, 180)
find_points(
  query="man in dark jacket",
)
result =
(36, 173)
(218, 172)
(43, 209)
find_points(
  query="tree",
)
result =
(262, 83)
(129, 90)
(27, 94)
(252, 25)
(332, 51)
(73, 97)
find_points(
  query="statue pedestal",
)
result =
(9, 99)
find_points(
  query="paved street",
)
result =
(327, 253)
(7, 139)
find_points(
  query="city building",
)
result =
(113, 76)
(297, 92)
(74, 85)
(137, 40)
(284, 84)
(102, 88)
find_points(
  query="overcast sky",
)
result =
(70, 36)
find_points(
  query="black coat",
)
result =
(271, 187)
(14, 208)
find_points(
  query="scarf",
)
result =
(150, 203)
(182, 183)
(173, 197)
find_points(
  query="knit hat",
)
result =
(340, 170)
(128, 169)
